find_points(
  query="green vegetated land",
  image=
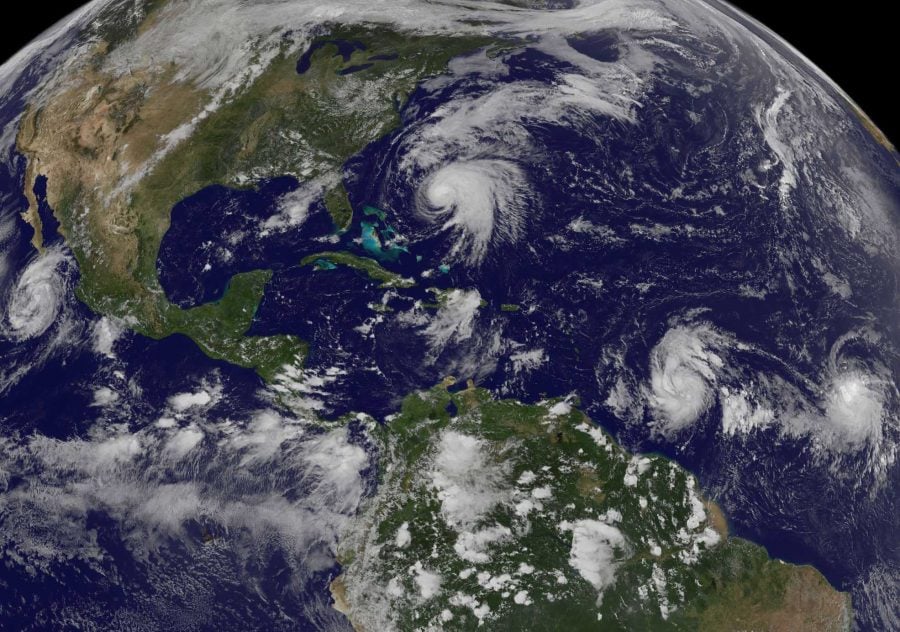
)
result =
(367, 266)
(307, 125)
(529, 517)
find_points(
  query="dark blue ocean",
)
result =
(775, 491)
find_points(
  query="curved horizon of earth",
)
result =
(438, 316)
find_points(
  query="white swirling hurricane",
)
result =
(842, 411)
(683, 373)
(481, 200)
(36, 298)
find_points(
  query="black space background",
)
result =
(856, 45)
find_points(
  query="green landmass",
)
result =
(338, 205)
(334, 117)
(491, 512)
(509, 307)
(369, 267)
(220, 328)
(306, 125)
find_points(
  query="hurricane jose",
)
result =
(683, 375)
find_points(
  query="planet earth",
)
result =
(416, 315)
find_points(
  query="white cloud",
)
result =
(473, 547)
(183, 441)
(524, 361)
(106, 332)
(741, 415)
(429, 582)
(293, 208)
(596, 548)
(185, 401)
(143, 482)
(468, 482)
(403, 537)
(454, 320)
(854, 408)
